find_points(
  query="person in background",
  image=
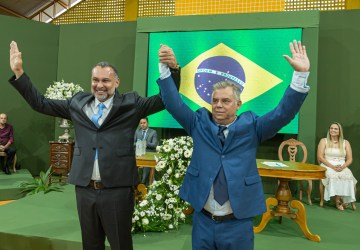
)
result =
(335, 154)
(222, 182)
(150, 136)
(103, 167)
(6, 142)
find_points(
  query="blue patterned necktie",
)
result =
(95, 118)
(221, 194)
(143, 135)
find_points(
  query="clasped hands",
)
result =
(339, 168)
(167, 56)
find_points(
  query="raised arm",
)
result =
(170, 95)
(16, 62)
(167, 56)
(299, 59)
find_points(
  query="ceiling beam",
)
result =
(12, 12)
(64, 5)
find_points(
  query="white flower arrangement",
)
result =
(62, 90)
(162, 209)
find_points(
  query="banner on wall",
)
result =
(253, 59)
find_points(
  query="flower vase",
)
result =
(65, 124)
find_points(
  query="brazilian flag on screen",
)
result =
(251, 58)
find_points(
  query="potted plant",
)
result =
(40, 184)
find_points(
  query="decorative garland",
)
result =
(162, 209)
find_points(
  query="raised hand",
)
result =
(16, 60)
(167, 56)
(299, 60)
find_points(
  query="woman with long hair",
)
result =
(334, 153)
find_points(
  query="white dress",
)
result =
(338, 183)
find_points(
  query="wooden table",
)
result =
(147, 160)
(282, 199)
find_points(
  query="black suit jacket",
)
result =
(150, 137)
(114, 138)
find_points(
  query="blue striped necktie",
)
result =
(95, 118)
(221, 194)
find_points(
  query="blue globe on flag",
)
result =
(216, 69)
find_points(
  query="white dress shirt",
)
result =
(90, 109)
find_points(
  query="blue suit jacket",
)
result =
(238, 155)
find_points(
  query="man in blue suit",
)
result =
(222, 182)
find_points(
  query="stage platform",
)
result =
(44, 222)
(9, 184)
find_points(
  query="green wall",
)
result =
(68, 52)
(339, 79)
(38, 43)
(50, 53)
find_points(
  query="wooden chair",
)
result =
(292, 149)
(3, 154)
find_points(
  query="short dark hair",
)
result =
(105, 64)
(145, 119)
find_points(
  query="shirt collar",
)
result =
(227, 124)
(107, 103)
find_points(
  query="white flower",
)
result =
(158, 197)
(167, 148)
(167, 216)
(62, 90)
(171, 226)
(145, 221)
(160, 165)
(187, 153)
(143, 203)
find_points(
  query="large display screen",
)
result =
(251, 58)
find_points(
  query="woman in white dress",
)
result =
(334, 153)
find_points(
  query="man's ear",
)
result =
(238, 104)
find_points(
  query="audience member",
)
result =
(334, 153)
(148, 135)
(6, 142)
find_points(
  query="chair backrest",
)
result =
(292, 149)
(2, 154)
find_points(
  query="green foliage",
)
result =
(40, 184)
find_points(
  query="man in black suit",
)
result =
(150, 137)
(104, 166)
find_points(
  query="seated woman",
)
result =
(334, 153)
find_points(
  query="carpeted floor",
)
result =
(50, 221)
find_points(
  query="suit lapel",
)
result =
(116, 104)
(80, 105)
(213, 128)
(230, 135)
